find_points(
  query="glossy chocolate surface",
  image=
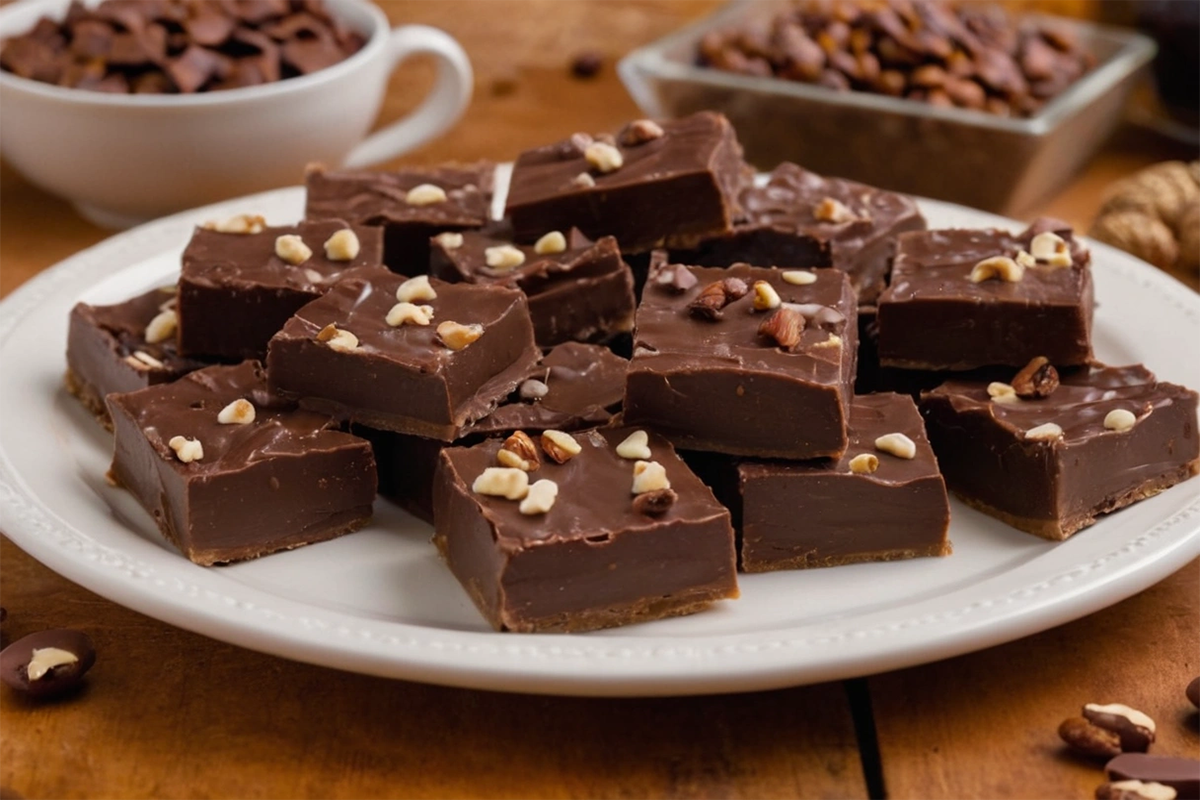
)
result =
(932, 316)
(1181, 774)
(584, 385)
(821, 513)
(379, 198)
(781, 229)
(286, 479)
(1055, 487)
(404, 379)
(235, 292)
(593, 560)
(720, 386)
(674, 190)
(101, 341)
(584, 293)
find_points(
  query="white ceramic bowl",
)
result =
(122, 159)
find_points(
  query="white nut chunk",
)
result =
(241, 223)
(342, 246)
(1046, 432)
(162, 327)
(1000, 268)
(798, 277)
(239, 412)
(425, 194)
(449, 240)
(506, 482)
(765, 296)
(636, 445)
(830, 210)
(1136, 717)
(409, 314)
(504, 257)
(1002, 392)
(896, 444)
(649, 476)
(541, 497)
(186, 450)
(603, 157)
(1024, 259)
(44, 659)
(864, 463)
(141, 360)
(583, 181)
(292, 249)
(553, 242)
(560, 447)
(1051, 248)
(337, 339)
(415, 290)
(457, 336)
(1120, 419)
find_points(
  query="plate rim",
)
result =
(549, 663)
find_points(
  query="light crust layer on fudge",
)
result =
(584, 385)
(782, 228)
(721, 386)
(1055, 486)
(102, 341)
(235, 292)
(592, 561)
(404, 378)
(380, 198)
(796, 515)
(286, 479)
(673, 190)
(933, 316)
(584, 293)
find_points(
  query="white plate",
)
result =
(380, 602)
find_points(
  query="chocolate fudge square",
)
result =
(601, 555)
(670, 183)
(108, 349)
(946, 308)
(409, 205)
(230, 472)
(800, 219)
(236, 291)
(713, 372)
(869, 505)
(1105, 438)
(427, 365)
(574, 386)
(578, 290)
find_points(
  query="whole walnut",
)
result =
(1163, 190)
(1189, 236)
(1144, 236)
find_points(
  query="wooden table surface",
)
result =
(172, 714)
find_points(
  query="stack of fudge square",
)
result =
(498, 378)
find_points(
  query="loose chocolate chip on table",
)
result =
(47, 663)
(587, 64)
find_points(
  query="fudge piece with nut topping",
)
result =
(123, 347)
(962, 299)
(418, 356)
(1104, 438)
(589, 539)
(231, 472)
(237, 289)
(655, 184)
(409, 205)
(746, 360)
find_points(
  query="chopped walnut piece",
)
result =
(504, 257)
(414, 290)
(1002, 392)
(1051, 248)
(162, 327)
(1024, 259)
(449, 240)
(337, 339)
(830, 210)
(999, 268)
(540, 498)
(714, 297)
(635, 446)
(409, 314)
(765, 296)
(896, 444)
(239, 412)
(292, 249)
(649, 476)
(506, 482)
(425, 194)
(186, 450)
(560, 447)
(784, 327)
(551, 243)
(640, 131)
(1037, 379)
(864, 463)
(242, 223)
(519, 451)
(1048, 431)
(583, 181)
(456, 336)
(603, 157)
(656, 503)
(342, 246)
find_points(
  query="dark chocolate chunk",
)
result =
(587, 64)
(47, 663)
(1133, 728)
(1181, 774)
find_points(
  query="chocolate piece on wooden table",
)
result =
(410, 204)
(574, 386)
(123, 347)
(961, 299)
(236, 290)
(617, 544)
(1181, 774)
(230, 472)
(672, 183)
(1106, 437)
(766, 372)
(578, 290)
(417, 356)
(800, 219)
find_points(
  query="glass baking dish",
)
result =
(970, 157)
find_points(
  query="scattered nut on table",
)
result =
(48, 663)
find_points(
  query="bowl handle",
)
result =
(441, 109)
